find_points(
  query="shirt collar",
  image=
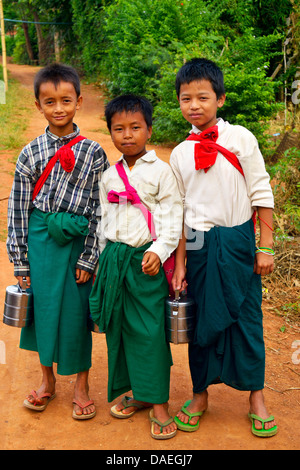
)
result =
(148, 157)
(64, 139)
(220, 124)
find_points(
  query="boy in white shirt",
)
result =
(128, 297)
(223, 183)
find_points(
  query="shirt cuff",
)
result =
(161, 251)
(21, 270)
(86, 266)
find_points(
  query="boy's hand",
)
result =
(20, 280)
(151, 263)
(82, 276)
(263, 264)
(178, 279)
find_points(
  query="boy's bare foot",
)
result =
(47, 386)
(123, 408)
(198, 403)
(38, 398)
(258, 408)
(81, 395)
(160, 412)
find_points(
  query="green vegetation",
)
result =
(286, 175)
(138, 45)
(285, 280)
(13, 117)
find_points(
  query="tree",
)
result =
(89, 36)
(47, 17)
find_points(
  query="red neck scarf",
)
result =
(67, 160)
(206, 150)
(130, 195)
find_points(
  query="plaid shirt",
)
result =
(76, 192)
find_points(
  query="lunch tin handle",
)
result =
(24, 285)
(175, 303)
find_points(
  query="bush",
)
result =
(286, 175)
(147, 41)
(9, 45)
(19, 53)
(86, 46)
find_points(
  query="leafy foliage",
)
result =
(286, 174)
(85, 49)
(137, 46)
(148, 41)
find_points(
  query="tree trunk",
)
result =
(28, 43)
(42, 45)
(56, 46)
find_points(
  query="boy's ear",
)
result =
(79, 102)
(221, 101)
(149, 132)
(37, 104)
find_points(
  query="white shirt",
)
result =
(157, 188)
(222, 196)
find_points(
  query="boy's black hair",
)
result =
(201, 69)
(129, 104)
(56, 73)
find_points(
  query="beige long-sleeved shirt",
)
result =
(222, 196)
(157, 188)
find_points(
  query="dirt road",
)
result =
(224, 426)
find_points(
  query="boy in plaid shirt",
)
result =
(51, 236)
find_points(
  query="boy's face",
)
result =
(199, 104)
(59, 105)
(129, 133)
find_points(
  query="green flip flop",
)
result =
(262, 432)
(187, 426)
(161, 435)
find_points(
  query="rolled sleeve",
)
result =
(19, 208)
(256, 177)
(168, 217)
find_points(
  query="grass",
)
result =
(13, 116)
